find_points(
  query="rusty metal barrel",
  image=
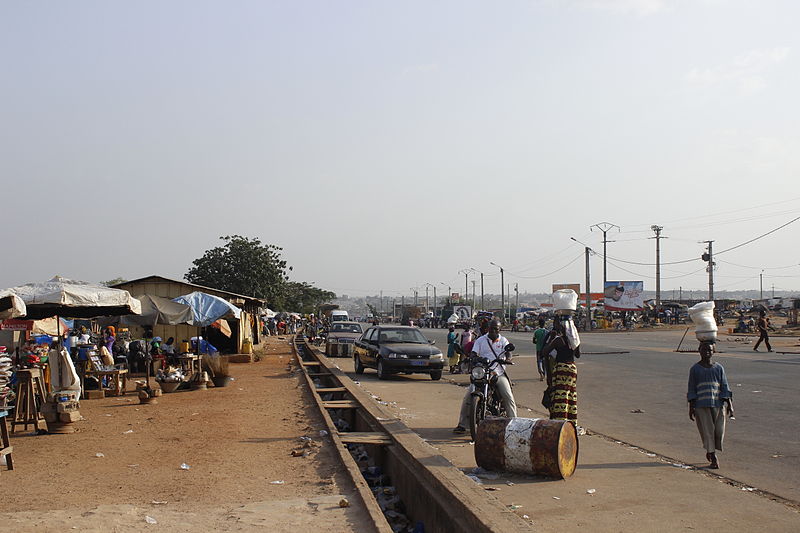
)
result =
(537, 446)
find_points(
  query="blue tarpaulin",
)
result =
(206, 309)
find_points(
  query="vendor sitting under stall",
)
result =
(168, 349)
(156, 354)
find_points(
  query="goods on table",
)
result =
(6, 394)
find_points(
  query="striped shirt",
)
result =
(708, 386)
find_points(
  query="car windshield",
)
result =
(402, 335)
(346, 328)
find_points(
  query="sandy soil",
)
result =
(236, 441)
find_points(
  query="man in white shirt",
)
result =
(490, 346)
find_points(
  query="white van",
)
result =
(338, 315)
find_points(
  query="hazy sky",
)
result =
(386, 145)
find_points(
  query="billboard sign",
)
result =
(623, 295)
(464, 312)
(574, 286)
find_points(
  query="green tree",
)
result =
(304, 297)
(112, 282)
(249, 267)
(244, 266)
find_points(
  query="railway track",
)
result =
(404, 483)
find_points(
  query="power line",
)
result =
(733, 211)
(761, 268)
(759, 237)
(716, 253)
(545, 275)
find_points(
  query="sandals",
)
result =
(712, 458)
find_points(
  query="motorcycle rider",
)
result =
(490, 346)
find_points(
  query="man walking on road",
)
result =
(763, 325)
(709, 395)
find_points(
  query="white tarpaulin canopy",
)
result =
(66, 297)
(11, 305)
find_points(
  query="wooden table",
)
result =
(118, 378)
(190, 362)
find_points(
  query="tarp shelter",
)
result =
(206, 309)
(66, 297)
(244, 328)
(49, 326)
(11, 305)
(158, 310)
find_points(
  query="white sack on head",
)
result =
(565, 299)
(702, 315)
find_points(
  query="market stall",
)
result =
(59, 297)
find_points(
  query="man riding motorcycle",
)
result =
(490, 346)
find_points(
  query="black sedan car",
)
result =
(397, 349)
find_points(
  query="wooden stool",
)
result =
(30, 397)
(5, 446)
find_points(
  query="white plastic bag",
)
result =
(565, 299)
(702, 316)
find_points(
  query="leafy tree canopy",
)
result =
(247, 266)
(305, 298)
(112, 282)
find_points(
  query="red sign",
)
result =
(16, 325)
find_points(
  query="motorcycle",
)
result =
(485, 399)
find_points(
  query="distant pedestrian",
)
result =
(539, 336)
(452, 355)
(763, 326)
(709, 396)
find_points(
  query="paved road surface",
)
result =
(762, 446)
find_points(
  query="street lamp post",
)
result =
(502, 288)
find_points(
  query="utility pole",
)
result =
(483, 308)
(773, 290)
(658, 237)
(502, 287)
(381, 301)
(402, 307)
(426, 300)
(516, 291)
(604, 227)
(466, 283)
(680, 294)
(434, 301)
(761, 285)
(709, 257)
(473, 294)
(507, 311)
(588, 324)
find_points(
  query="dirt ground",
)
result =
(236, 440)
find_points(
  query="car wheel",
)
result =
(436, 375)
(382, 373)
(359, 366)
